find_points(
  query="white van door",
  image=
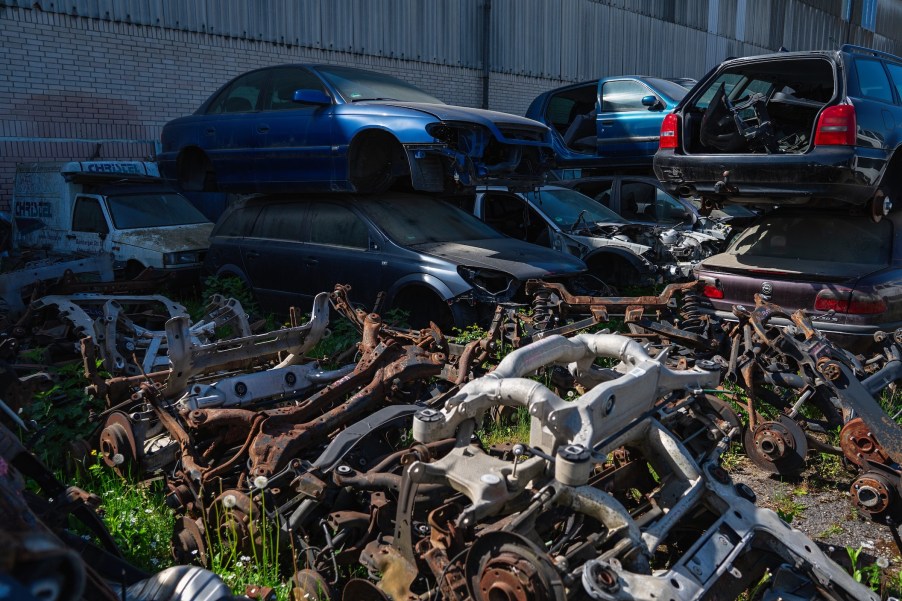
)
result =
(90, 231)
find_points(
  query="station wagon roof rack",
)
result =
(852, 48)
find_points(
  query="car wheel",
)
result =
(195, 173)
(372, 163)
(615, 272)
(423, 306)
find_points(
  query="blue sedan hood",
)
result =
(520, 259)
(448, 112)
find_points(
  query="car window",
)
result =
(236, 223)
(88, 217)
(356, 85)
(623, 95)
(895, 72)
(672, 89)
(565, 207)
(283, 84)
(852, 239)
(422, 220)
(338, 226)
(872, 79)
(281, 222)
(729, 81)
(668, 209)
(637, 201)
(599, 191)
(242, 96)
(133, 211)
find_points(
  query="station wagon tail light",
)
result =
(670, 129)
(852, 302)
(712, 291)
(836, 126)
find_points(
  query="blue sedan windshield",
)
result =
(356, 85)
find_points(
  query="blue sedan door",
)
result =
(627, 128)
(226, 130)
(294, 138)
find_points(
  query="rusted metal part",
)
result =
(603, 306)
(278, 440)
(859, 445)
(189, 360)
(779, 447)
(875, 492)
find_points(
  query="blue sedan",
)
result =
(328, 128)
(613, 122)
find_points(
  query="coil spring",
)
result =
(544, 308)
(692, 317)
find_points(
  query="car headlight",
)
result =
(487, 280)
(186, 257)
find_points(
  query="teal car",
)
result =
(608, 123)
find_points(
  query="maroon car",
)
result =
(845, 270)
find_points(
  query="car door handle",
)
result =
(211, 130)
(262, 128)
(252, 254)
(607, 122)
(70, 236)
(311, 262)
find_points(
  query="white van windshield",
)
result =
(133, 211)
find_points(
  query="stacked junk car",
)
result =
(428, 372)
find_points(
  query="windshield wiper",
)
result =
(580, 217)
(363, 99)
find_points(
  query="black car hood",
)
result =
(519, 259)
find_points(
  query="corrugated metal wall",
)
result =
(565, 40)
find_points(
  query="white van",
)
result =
(117, 207)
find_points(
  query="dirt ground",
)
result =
(818, 504)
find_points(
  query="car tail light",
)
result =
(853, 302)
(712, 291)
(670, 132)
(836, 126)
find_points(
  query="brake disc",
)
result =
(778, 446)
(504, 565)
(118, 446)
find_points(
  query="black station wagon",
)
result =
(822, 128)
(432, 259)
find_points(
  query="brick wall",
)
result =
(75, 88)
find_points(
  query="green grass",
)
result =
(786, 505)
(136, 516)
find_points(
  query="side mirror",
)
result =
(652, 102)
(311, 97)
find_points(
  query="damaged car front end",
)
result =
(617, 251)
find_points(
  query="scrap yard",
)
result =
(299, 315)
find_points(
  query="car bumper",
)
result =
(842, 173)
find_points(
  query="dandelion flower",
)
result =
(229, 501)
(261, 482)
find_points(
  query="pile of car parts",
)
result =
(617, 495)
(44, 560)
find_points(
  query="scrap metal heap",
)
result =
(619, 494)
(44, 559)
